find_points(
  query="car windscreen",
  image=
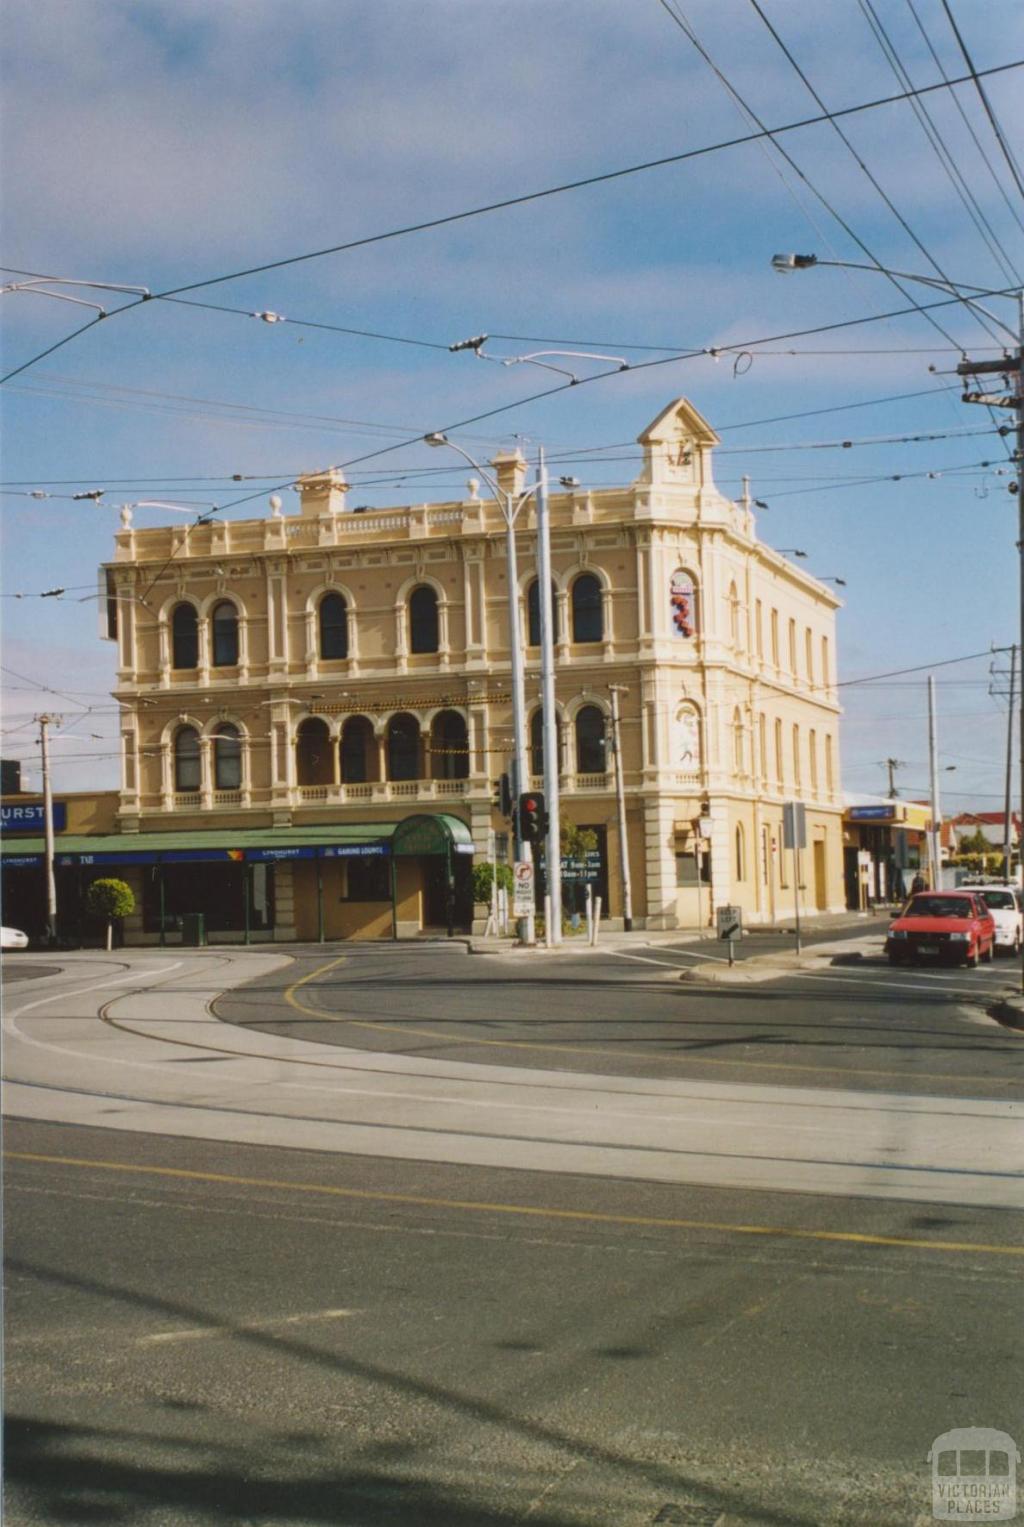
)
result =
(999, 899)
(939, 906)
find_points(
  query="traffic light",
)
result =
(503, 795)
(533, 817)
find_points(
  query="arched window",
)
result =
(738, 760)
(762, 733)
(227, 758)
(333, 614)
(590, 742)
(682, 605)
(734, 616)
(314, 764)
(225, 635)
(812, 758)
(780, 772)
(828, 763)
(358, 752)
(185, 636)
(404, 745)
(533, 613)
(796, 756)
(587, 609)
(537, 742)
(424, 627)
(741, 854)
(449, 746)
(186, 756)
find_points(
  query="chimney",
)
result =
(510, 470)
(322, 493)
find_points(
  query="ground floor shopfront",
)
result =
(884, 847)
(401, 878)
(367, 880)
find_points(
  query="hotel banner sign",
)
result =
(31, 817)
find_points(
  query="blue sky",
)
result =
(169, 142)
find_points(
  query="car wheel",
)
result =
(989, 953)
(894, 958)
(971, 959)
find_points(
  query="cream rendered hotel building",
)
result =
(306, 682)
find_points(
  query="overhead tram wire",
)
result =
(572, 185)
(515, 201)
(686, 28)
(598, 376)
(870, 176)
(997, 182)
(941, 149)
(976, 76)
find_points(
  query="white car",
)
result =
(13, 938)
(1004, 902)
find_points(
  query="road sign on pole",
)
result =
(794, 836)
(794, 825)
(729, 925)
(523, 881)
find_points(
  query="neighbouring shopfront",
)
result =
(368, 880)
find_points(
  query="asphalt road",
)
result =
(220, 1334)
(922, 1031)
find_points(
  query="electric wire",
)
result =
(868, 173)
(941, 150)
(997, 182)
(686, 28)
(574, 185)
(986, 103)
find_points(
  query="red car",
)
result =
(943, 925)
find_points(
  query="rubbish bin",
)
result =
(193, 929)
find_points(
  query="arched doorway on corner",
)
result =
(431, 889)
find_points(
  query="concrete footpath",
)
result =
(812, 928)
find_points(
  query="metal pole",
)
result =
(1008, 813)
(620, 798)
(524, 851)
(935, 832)
(1020, 548)
(319, 900)
(553, 845)
(51, 879)
(796, 882)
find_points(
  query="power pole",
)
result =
(553, 843)
(935, 832)
(892, 764)
(45, 721)
(1010, 368)
(620, 795)
(1008, 807)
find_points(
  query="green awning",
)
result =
(431, 834)
(227, 843)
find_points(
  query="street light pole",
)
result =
(1011, 364)
(553, 845)
(620, 797)
(509, 506)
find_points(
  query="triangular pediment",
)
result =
(679, 421)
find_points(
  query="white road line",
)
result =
(207, 1333)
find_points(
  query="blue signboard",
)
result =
(117, 858)
(31, 817)
(272, 855)
(354, 850)
(871, 813)
(20, 861)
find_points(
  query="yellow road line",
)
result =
(591, 1050)
(471, 1206)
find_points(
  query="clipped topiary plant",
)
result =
(110, 899)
